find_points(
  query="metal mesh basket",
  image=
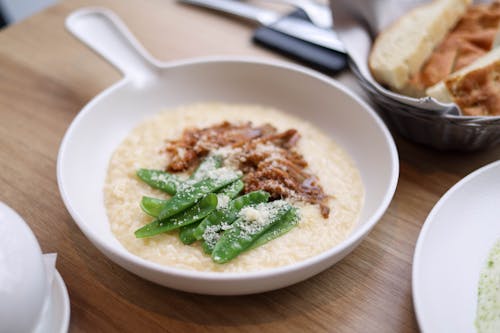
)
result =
(356, 23)
(445, 132)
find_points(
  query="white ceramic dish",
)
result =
(150, 86)
(33, 297)
(452, 249)
(24, 280)
(57, 313)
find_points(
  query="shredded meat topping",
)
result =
(268, 158)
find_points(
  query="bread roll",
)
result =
(496, 41)
(400, 51)
(475, 88)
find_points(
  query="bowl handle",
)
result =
(104, 32)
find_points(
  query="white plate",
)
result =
(56, 315)
(33, 295)
(451, 250)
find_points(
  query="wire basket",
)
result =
(444, 132)
(441, 126)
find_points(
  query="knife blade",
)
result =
(288, 25)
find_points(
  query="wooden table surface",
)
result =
(47, 76)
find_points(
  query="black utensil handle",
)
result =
(318, 57)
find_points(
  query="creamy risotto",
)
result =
(144, 147)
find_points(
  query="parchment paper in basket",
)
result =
(357, 22)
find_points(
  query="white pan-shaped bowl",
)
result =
(150, 86)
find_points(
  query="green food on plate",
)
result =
(488, 298)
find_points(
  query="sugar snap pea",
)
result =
(212, 235)
(232, 190)
(207, 247)
(191, 215)
(158, 179)
(230, 214)
(187, 195)
(248, 228)
(186, 233)
(152, 206)
(287, 223)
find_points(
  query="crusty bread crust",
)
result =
(441, 90)
(477, 93)
(400, 51)
(496, 41)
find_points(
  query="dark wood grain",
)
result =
(47, 76)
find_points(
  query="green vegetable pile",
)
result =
(208, 207)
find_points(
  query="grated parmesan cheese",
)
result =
(230, 156)
(160, 178)
(255, 218)
(223, 174)
(222, 201)
(211, 235)
(181, 152)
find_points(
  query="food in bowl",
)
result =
(446, 49)
(175, 142)
(488, 303)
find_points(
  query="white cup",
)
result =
(23, 280)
